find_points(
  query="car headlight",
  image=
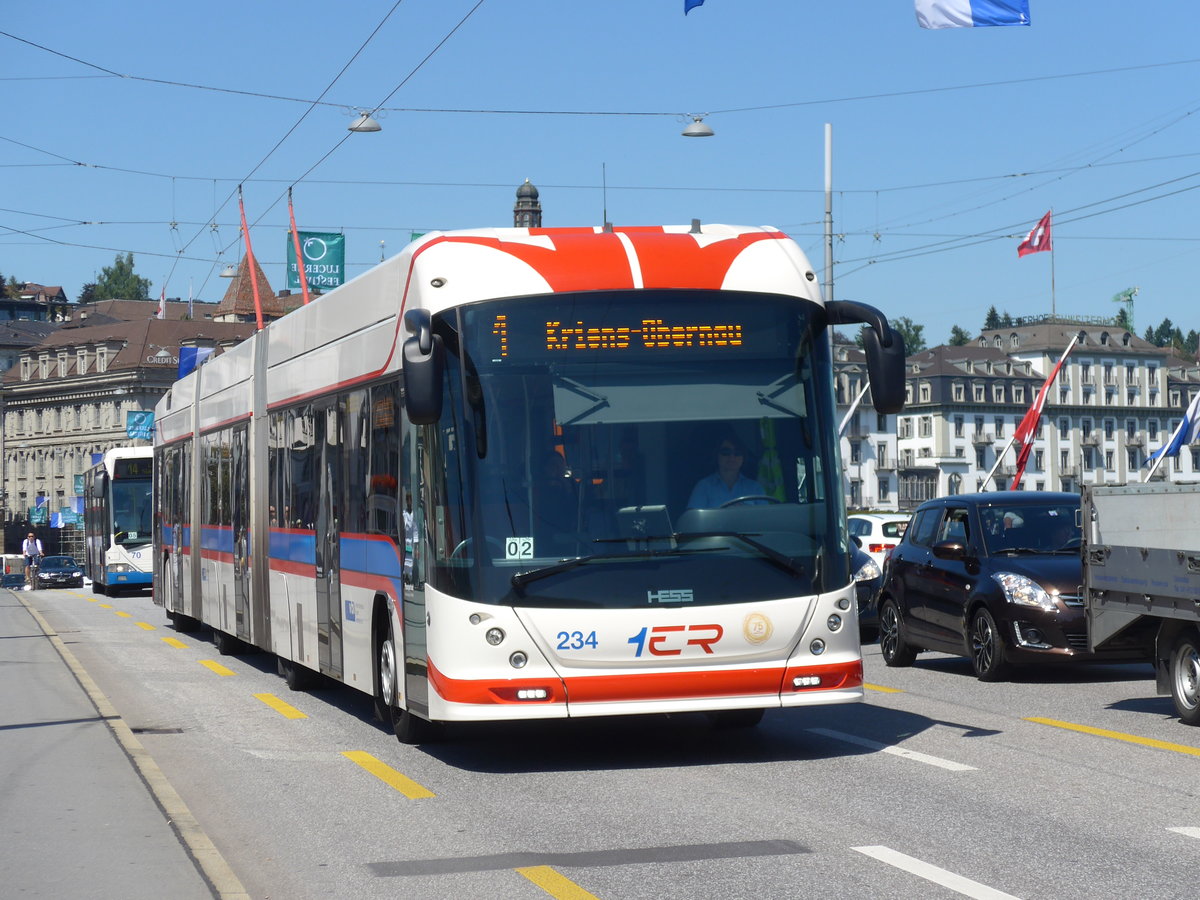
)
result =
(1024, 591)
(868, 571)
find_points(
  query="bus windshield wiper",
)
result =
(770, 553)
(523, 578)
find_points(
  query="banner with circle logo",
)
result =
(324, 260)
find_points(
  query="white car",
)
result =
(878, 533)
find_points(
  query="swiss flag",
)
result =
(1038, 239)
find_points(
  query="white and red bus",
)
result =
(463, 482)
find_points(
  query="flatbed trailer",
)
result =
(1141, 572)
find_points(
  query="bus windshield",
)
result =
(132, 509)
(680, 445)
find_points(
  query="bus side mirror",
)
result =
(885, 368)
(424, 364)
(884, 347)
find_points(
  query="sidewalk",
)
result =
(84, 812)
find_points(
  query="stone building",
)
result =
(71, 396)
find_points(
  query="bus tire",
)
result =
(99, 588)
(226, 644)
(408, 728)
(296, 676)
(1185, 677)
(182, 623)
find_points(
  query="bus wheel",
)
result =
(226, 644)
(297, 677)
(408, 728)
(98, 588)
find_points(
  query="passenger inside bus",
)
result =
(555, 503)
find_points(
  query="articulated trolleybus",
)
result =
(118, 515)
(466, 482)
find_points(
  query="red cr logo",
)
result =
(664, 640)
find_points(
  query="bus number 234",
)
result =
(666, 640)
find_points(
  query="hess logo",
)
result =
(670, 640)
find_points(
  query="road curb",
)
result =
(208, 859)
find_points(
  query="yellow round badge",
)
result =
(757, 628)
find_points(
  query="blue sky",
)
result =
(947, 145)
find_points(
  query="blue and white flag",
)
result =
(689, 5)
(1183, 435)
(971, 13)
(190, 357)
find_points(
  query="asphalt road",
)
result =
(937, 786)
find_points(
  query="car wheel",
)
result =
(895, 650)
(1185, 678)
(987, 647)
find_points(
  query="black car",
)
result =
(59, 571)
(867, 580)
(14, 581)
(996, 577)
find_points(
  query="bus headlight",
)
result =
(518, 660)
(817, 647)
(119, 568)
(494, 636)
(834, 622)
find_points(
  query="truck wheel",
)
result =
(987, 647)
(892, 646)
(1185, 678)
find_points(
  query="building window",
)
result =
(959, 392)
(904, 427)
(997, 393)
(855, 452)
(1089, 458)
(1064, 395)
(999, 426)
(925, 393)
(881, 454)
(1110, 429)
(1018, 393)
(958, 426)
(977, 392)
(1039, 460)
(881, 422)
(885, 489)
(979, 458)
(1064, 429)
(926, 426)
(101, 359)
(1152, 429)
(1108, 460)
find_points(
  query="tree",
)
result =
(913, 334)
(992, 320)
(118, 281)
(959, 337)
(1192, 342)
(12, 289)
(1122, 319)
(88, 294)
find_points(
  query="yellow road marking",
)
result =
(388, 775)
(146, 626)
(175, 642)
(882, 689)
(124, 615)
(216, 667)
(554, 884)
(284, 709)
(106, 606)
(93, 599)
(1117, 736)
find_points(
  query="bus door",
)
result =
(240, 521)
(328, 438)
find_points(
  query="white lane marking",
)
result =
(956, 883)
(897, 751)
(1187, 831)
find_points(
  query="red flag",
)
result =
(1038, 239)
(1028, 427)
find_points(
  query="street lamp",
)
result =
(697, 128)
(364, 123)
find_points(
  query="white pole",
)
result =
(828, 212)
(853, 406)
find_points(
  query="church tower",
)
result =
(527, 213)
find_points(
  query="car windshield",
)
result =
(1030, 528)
(614, 449)
(58, 562)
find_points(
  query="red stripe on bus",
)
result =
(764, 682)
